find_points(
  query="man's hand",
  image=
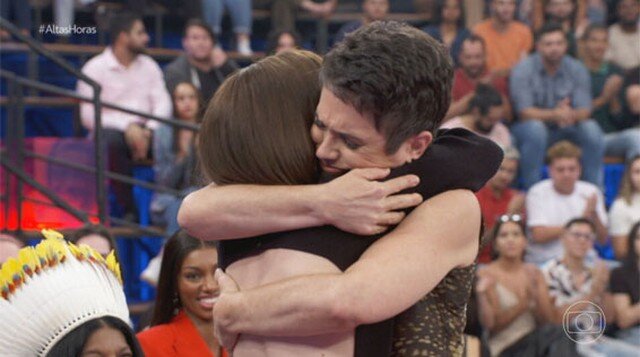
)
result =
(218, 57)
(564, 114)
(357, 203)
(323, 9)
(590, 208)
(227, 286)
(138, 139)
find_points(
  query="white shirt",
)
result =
(140, 86)
(624, 48)
(623, 216)
(547, 207)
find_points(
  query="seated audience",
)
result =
(63, 300)
(133, 80)
(625, 287)
(553, 202)
(624, 35)
(19, 13)
(282, 40)
(507, 40)
(621, 140)
(95, 236)
(202, 64)
(372, 10)
(577, 285)
(551, 94)
(484, 116)
(512, 295)
(9, 247)
(625, 210)
(473, 71)
(175, 158)
(187, 290)
(449, 26)
(497, 198)
(240, 12)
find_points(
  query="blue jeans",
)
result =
(533, 137)
(240, 11)
(625, 144)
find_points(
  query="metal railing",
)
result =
(13, 157)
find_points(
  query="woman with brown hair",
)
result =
(625, 210)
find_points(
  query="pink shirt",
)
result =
(139, 87)
(499, 134)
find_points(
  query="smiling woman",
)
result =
(187, 291)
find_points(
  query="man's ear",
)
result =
(418, 144)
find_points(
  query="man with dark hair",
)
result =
(386, 89)
(551, 93)
(622, 136)
(473, 71)
(202, 64)
(624, 35)
(130, 79)
(484, 116)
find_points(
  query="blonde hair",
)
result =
(626, 186)
(563, 150)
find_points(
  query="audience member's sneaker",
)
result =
(244, 48)
(151, 274)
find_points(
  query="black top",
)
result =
(626, 280)
(457, 159)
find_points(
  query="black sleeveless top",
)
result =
(457, 159)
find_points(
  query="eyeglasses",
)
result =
(587, 236)
(510, 218)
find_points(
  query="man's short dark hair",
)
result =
(475, 38)
(548, 27)
(394, 72)
(485, 97)
(122, 22)
(591, 29)
(581, 220)
(196, 22)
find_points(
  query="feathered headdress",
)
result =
(52, 288)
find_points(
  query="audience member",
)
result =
(95, 236)
(473, 70)
(187, 291)
(81, 307)
(625, 210)
(282, 40)
(624, 36)
(606, 77)
(175, 158)
(553, 202)
(621, 138)
(240, 11)
(372, 10)
(283, 12)
(551, 96)
(625, 287)
(449, 26)
(202, 64)
(9, 247)
(131, 79)
(507, 40)
(564, 13)
(512, 295)
(484, 116)
(576, 284)
(497, 198)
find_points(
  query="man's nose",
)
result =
(326, 150)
